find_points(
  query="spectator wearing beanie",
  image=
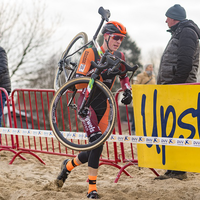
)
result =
(180, 60)
(176, 12)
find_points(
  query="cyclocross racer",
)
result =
(113, 33)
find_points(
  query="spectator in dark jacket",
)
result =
(4, 79)
(180, 60)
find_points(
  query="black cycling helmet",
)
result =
(114, 27)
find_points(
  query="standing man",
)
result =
(4, 79)
(113, 33)
(180, 60)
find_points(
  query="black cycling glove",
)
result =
(127, 97)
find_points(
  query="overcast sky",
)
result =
(144, 19)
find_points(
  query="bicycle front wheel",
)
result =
(63, 75)
(66, 122)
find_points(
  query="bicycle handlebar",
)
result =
(112, 63)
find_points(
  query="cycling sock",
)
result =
(92, 183)
(71, 164)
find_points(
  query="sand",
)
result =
(31, 180)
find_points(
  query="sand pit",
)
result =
(30, 179)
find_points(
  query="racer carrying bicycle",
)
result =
(114, 33)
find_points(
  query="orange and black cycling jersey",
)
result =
(85, 66)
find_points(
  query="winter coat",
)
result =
(180, 60)
(4, 72)
(143, 78)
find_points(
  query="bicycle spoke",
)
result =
(66, 118)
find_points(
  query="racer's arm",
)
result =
(85, 62)
(84, 65)
(125, 84)
(124, 80)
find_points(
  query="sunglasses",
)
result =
(117, 37)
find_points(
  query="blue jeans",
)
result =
(2, 103)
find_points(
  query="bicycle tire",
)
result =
(58, 111)
(78, 41)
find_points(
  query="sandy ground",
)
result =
(31, 180)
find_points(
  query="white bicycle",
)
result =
(66, 111)
(69, 61)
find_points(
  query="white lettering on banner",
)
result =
(112, 138)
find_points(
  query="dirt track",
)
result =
(29, 179)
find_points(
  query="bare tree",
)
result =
(44, 76)
(25, 35)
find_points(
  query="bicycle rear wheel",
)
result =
(67, 124)
(64, 74)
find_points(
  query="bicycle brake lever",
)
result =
(68, 63)
(129, 68)
(60, 64)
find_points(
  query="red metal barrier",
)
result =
(5, 110)
(6, 141)
(127, 150)
(30, 110)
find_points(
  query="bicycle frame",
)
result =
(105, 15)
(85, 103)
(68, 67)
(86, 100)
(110, 61)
